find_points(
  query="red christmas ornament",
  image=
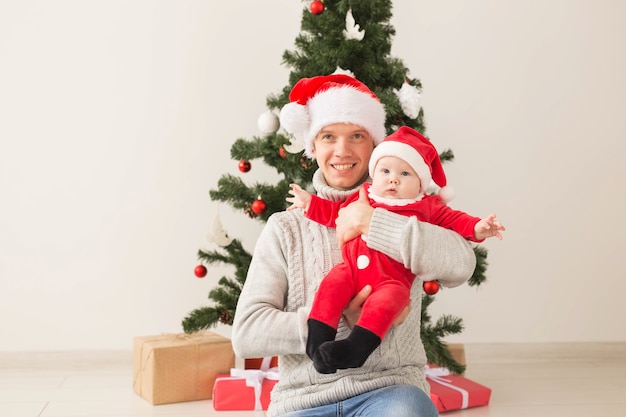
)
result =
(200, 271)
(316, 7)
(282, 152)
(258, 206)
(431, 287)
(244, 166)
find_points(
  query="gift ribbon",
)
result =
(254, 378)
(437, 374)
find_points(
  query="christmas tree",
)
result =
(337, 36)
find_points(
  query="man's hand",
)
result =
(354, 219)
(352, 313)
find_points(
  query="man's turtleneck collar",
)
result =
(327, 192)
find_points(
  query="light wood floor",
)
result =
(547, 380)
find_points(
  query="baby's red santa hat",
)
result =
(416, 150)
(323, 100)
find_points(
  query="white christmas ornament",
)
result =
(268, 123)
(342, 71)
(294, 146)
(218, 235)
(410, 100)
(352, 31)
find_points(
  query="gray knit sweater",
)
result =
(291, 257)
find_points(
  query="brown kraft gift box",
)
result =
(173, 368)
(457, 350)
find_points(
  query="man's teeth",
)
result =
(343, 166)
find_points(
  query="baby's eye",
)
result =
(385, 171)
(405, 173)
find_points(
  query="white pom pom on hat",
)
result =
(324, 100)
(295, 119)
(446, 193)
(411, 146)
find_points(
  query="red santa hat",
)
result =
(337, 98)
(416, 150)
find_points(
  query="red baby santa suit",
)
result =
(390, 280)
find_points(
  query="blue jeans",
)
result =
(392, 401)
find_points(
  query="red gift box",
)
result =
(232, 393)
(261, 363)
(454, 392)
(245, 389)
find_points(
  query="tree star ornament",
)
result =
(352, 30)
(410, 100)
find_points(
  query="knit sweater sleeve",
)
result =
(262, 326)
(431, 252)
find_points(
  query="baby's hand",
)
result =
(300, 199)
(488, 227)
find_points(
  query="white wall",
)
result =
(117, 117)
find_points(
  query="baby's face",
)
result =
(394, 178)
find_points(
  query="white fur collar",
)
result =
(393, 201)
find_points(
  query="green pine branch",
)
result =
(226, 293)
(437, 352)
(479, 275)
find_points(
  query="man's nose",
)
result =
(342, 147)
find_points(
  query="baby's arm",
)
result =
(301, 198)
(488, 227)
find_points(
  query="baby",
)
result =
(401, 168)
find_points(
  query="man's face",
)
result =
(342, 152)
